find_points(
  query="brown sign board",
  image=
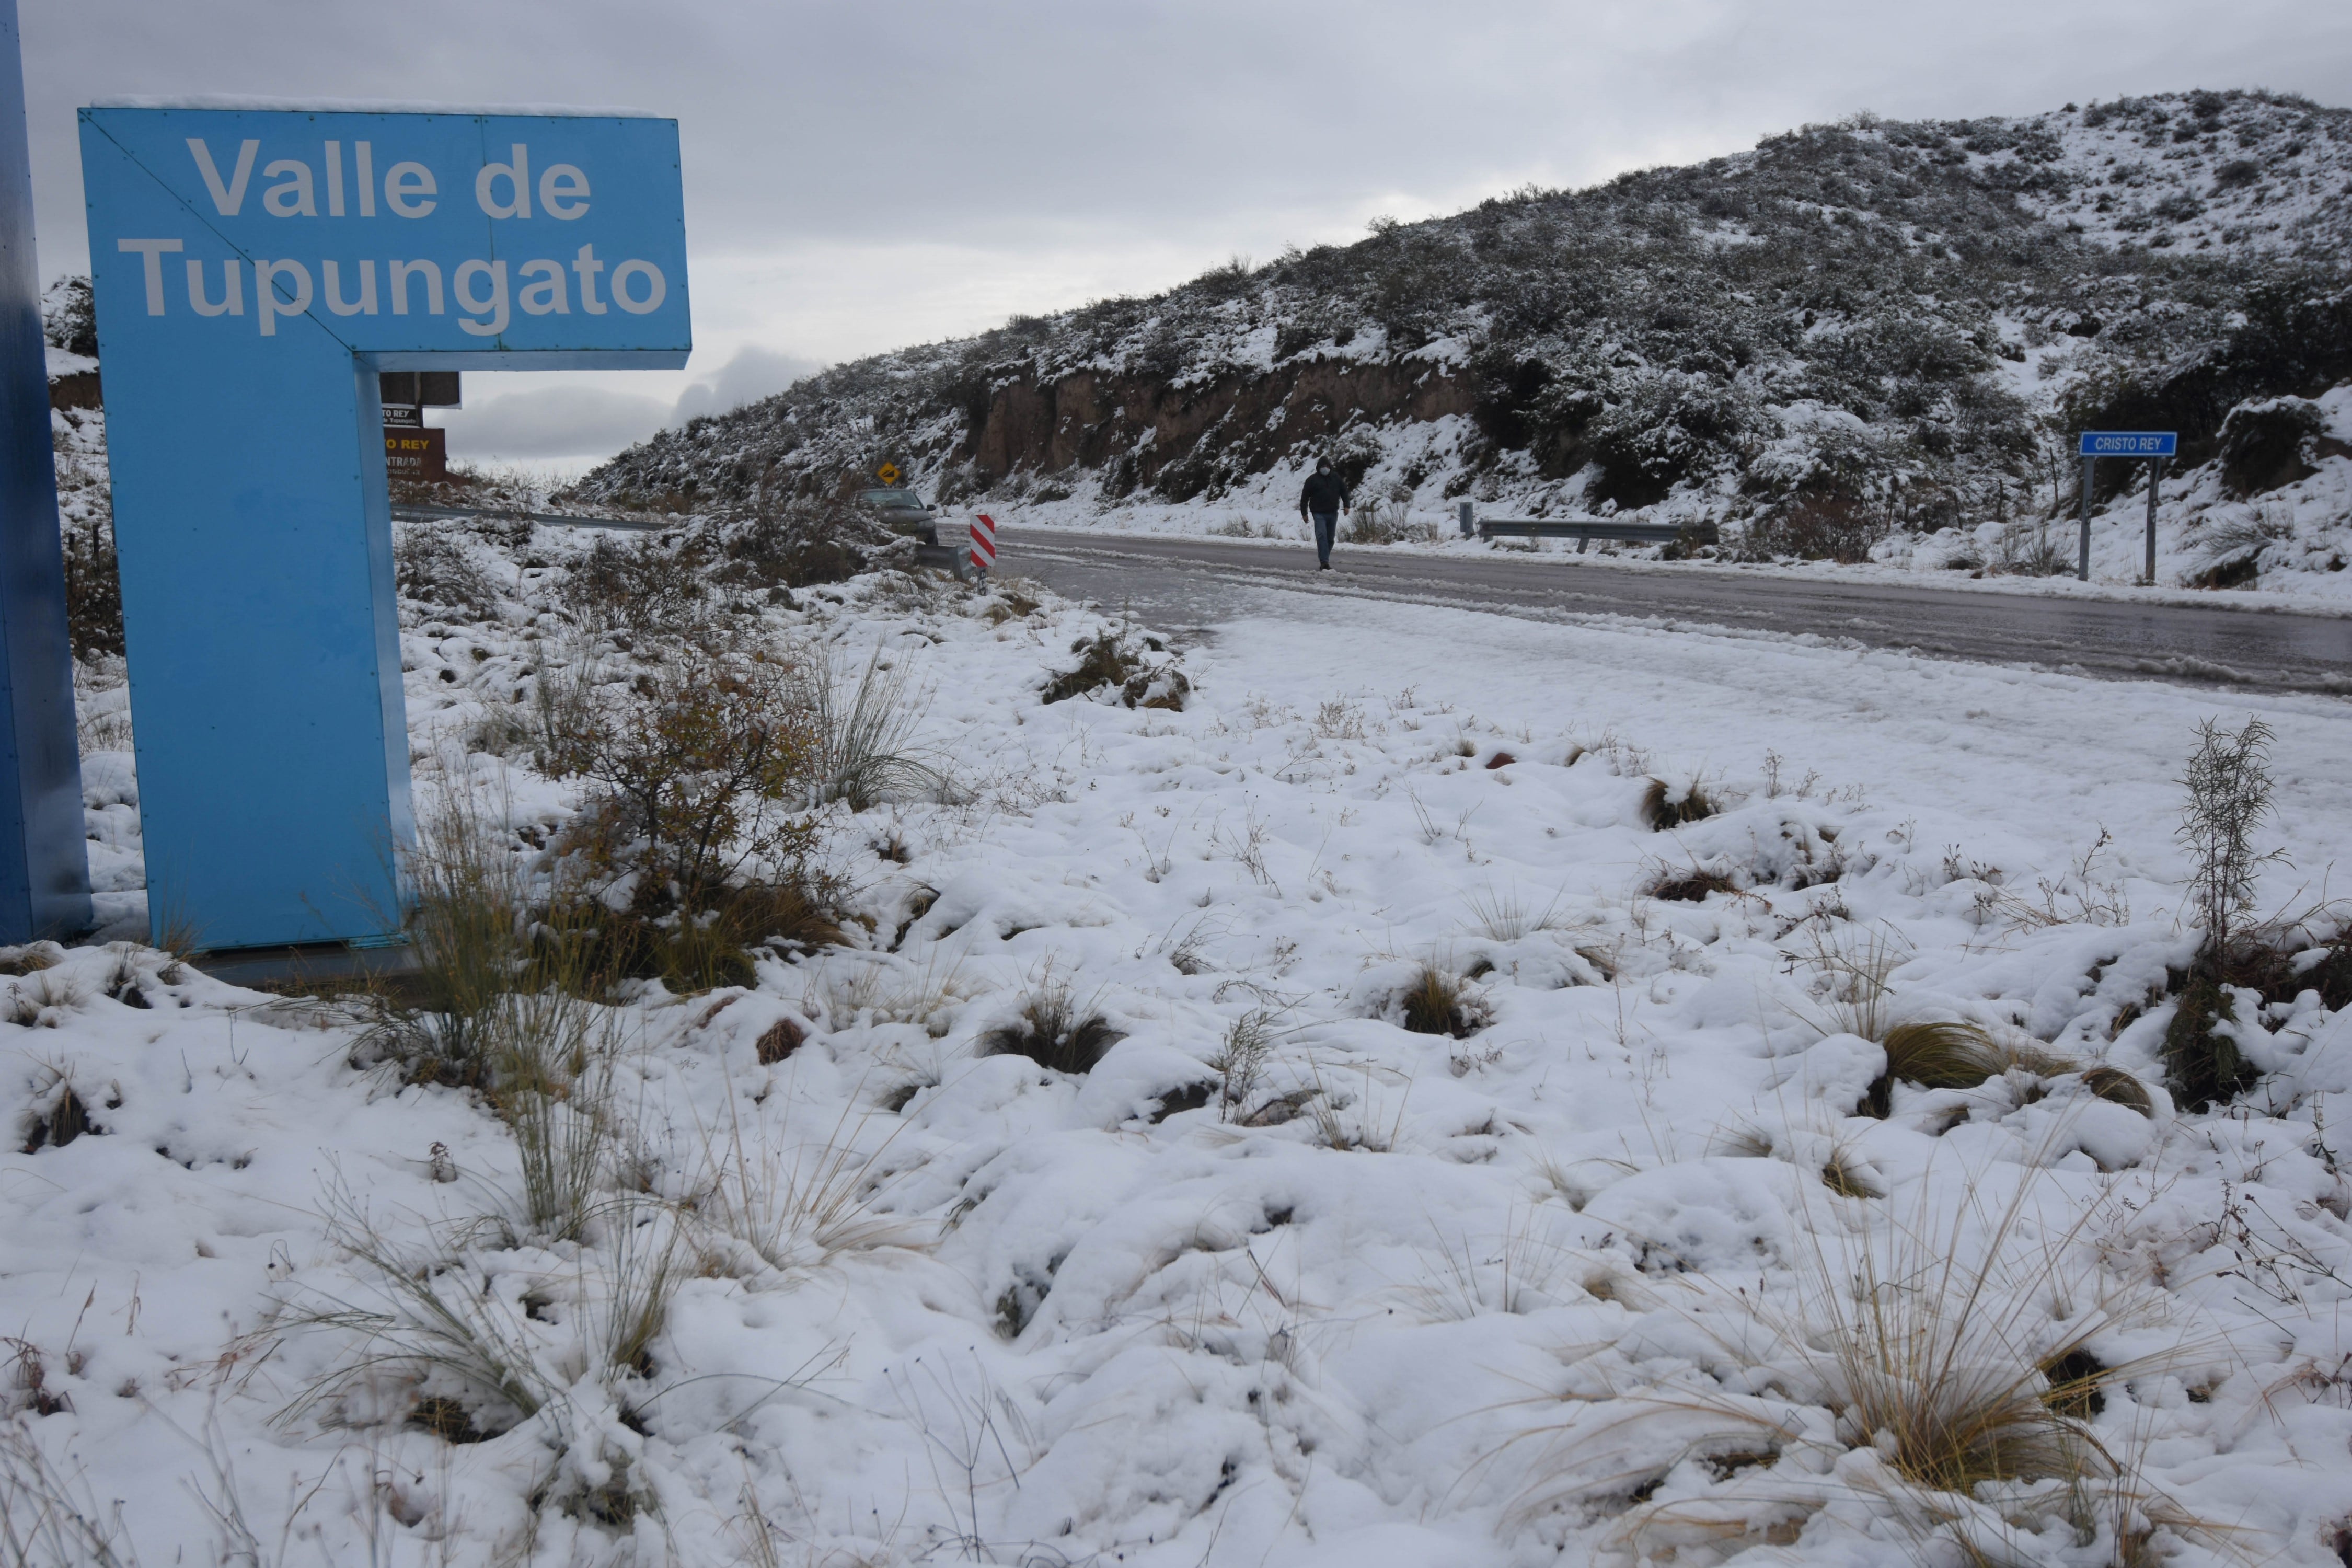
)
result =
(417, 455)
(424, 388)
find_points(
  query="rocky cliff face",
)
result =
(1903, 318)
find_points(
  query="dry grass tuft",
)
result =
(2122, 1087)
(1667, 805)
(1504, 915)
(1695, 886)
(1954, 1353)
(30, 959)
(1437, 1002)
(1104, 661)
(1942, 1054)
(1053, 1031)
(799, 1210)
(49, 1518)
(778, 1041)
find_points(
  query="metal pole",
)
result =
(44, 874)
(1468, 528)
(2083, 567)
(2155, 473)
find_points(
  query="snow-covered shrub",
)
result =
(697, 768)
(434, 568)
(69, 317)
(790, 545)
(2268, 444)
(646, 587)
(1820, 527)
(1145, 677)
(1659, 430)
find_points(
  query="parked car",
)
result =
(903, 511)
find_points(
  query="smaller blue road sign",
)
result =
(2129, 443)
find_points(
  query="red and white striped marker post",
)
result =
(983, 542)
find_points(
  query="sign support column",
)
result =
(2152, 447)
(44, 869)
(2083, 561)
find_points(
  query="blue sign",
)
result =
(2129, 443)
(253, 272)
(44, 876)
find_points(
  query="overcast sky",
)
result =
(864, 173)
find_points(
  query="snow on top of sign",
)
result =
(267, 104)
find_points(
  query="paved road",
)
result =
(1194, 581)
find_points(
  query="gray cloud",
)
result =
(752, 373)
(982, 158)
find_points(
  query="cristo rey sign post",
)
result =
(255, 271)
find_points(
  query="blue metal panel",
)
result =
(44, 873)
(251, 514)
(2129, 444)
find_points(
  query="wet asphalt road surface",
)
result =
(1181, 582)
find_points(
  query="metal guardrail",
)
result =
(1585, 529)
(559, 520)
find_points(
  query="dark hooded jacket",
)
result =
(1323, 492)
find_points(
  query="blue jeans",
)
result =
(1327, 527)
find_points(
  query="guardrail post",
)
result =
(1469, 526)
(2154, 475)
(2083, 569)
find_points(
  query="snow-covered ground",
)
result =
(1571, 1287)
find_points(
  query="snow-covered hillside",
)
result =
(1836, 346)
(1482, 1154)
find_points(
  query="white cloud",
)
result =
(541, 424)
(754, 372)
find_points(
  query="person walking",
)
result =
(1324, 495)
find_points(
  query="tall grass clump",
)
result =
(467, 919)
(465, 1347)
(1241, 1062)
(1936, 1053)
(863, 750)
(50, 1519)
(1501, 915)
(1948, 1361)
(2228, 784)
(799, 1210)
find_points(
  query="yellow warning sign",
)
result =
(888, 473)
